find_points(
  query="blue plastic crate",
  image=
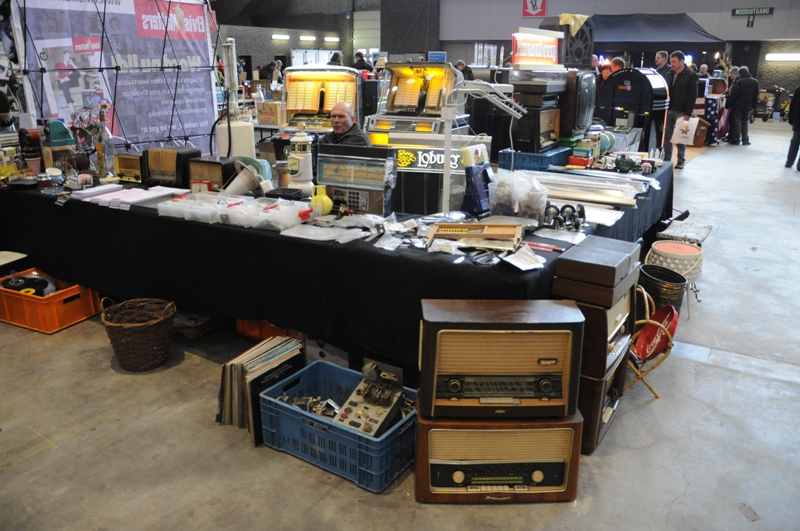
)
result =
(369, 462)
(535, 161)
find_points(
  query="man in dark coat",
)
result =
(345, 130)
(744, 97)
(794, 119)
(682, 93)
(361, 63)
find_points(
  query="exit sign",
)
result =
(753, 12)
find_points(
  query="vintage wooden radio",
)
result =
(497, 461)
(170, 166)
(598, 402)
(497, 359)
(130, 167)
(216, 171)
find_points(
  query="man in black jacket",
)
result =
(682, 93)
(794, 119)
(345, 129)
(744, 97)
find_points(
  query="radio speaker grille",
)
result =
(506, 352)
(501, 445)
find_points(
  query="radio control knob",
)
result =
(546, 385)
(454, 385)
(458, 477)
(537, 476)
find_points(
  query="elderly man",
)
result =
(703, 72)
(345, 130)
(465, 70)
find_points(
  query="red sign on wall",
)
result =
(534, 8)
(185, 21)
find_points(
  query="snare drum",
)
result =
(681, 257)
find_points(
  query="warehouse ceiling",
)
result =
(291, 14)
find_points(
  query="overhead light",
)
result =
(704, 52)
(783, 57)
(280, 37)
(307, 38)
(331, 39)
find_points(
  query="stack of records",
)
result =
(244, 377)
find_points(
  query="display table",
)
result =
(360, 298)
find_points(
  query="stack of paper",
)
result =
(246, 376)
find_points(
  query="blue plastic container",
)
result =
(535, 161)
(372, 463)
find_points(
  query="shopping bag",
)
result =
(684, 130)
(724, 123)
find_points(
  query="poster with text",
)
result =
(66, 38)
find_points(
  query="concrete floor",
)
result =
(85, 446)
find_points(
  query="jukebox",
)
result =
(310, 93)
(412, 101)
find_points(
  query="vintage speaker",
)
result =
(216, 171)
(130, 167)
(574, 50)
(606, 334)
(499, 359)
(497, 461)
(598, 402)
(170, 166)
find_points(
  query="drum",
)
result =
(681, 257)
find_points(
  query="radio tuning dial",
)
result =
(458, 477)
(454, 385)
(546, 385)
(537, 476)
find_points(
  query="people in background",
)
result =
(596, 64)
(336, 59)
(703, 72)
(733, 74)
(617, 64)
(794, 119)
(361, 63)
(682, 93)
(662, 63)
(743, 99)
(345, 130)
(266, 71)
(465, 70)
(605, 73)
(277, 72)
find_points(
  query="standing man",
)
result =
(361, 63)
(682, 93)
(744, 97)
(794, 119)
(617, 64)
(662, 64)
(465, 71)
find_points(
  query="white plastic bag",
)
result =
(684, 130)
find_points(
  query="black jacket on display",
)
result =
(794, 110)
(744, 95)
(682, 91)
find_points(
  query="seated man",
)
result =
(345, 130)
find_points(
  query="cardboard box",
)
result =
(271, 113)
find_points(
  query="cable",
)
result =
(230, 131)
(511, 141)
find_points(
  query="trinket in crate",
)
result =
(31, 299)
(372, 463)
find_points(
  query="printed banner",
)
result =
(66, 38)
(534, 8)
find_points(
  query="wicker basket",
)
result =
(140, 331)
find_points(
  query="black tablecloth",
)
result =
(356, 296)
